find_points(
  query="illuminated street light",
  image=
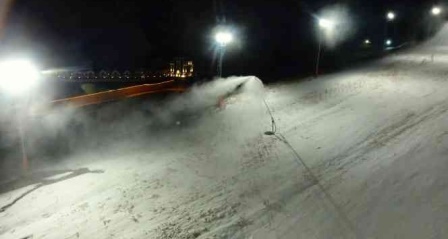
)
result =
(390, 16)
(388, 42)
(325, 25)
(222, 38)
(436, 11)
(367, 42)
(17, 78)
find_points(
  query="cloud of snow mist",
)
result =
(217, 117)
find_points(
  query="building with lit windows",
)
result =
(181, 67)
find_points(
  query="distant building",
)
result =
(181, 67)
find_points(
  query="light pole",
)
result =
(17, 78)
(390, 17)
(324, 25)
(222, 38)
(435, 21)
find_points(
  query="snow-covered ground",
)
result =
(358, 154)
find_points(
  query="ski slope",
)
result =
(357, 154)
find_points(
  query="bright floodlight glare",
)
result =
(367, 41)
(17, 76)
(390, 16)
(326, 24)
(223, 38)
(388, 42)
(436, 11)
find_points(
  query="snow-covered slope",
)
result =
(358, 154)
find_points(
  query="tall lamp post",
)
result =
(325, 25)
(436, 12)
(390, 17)
(222, 38)
(17, 78)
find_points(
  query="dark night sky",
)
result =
(273, 36)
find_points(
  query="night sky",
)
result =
(274, 38)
